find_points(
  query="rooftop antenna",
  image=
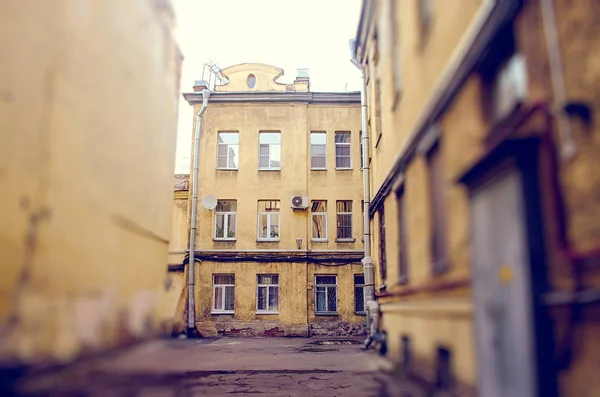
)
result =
(211, 72)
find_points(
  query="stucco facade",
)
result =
(442, 146)
(255, 155)
(88, 133)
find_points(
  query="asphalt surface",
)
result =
(230, 366)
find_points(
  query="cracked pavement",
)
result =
(229, 366)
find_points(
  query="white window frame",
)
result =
(228, 145)
(311, 154)
(268, 214)
(223, 295)
(351, 238)
(326, 286)
(269, 168)
(363, 286)
(323, 214)
(343, 144)
(268, 289)
(226, 215)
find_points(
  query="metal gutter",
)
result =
(282, 97)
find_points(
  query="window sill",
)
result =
(319, 241)
(326, 314)
(227, 169)
(261, 313)
(269, 169)
(360, 313)
(345, 240)
(267, 240)
(318, 169)
(228, 312)
(225, 239)
(343, 169)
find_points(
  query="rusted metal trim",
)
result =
(337, 257)
(434, 286)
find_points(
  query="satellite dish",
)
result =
(210, 202)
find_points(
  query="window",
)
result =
(326, 294)
(223, 293)
(343, 158)
(267, 293)
(225, 219)
(318, 211)
(425, 16)
(268, 220)
(344, 219)
(436, 201)
(382, 262)
(251, 81)
(402, 242)
(228, 150)
(359, 294)
(378, 112)
(269, 157)
(318, 150)
(395, 51)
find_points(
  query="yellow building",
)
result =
(279, 252)
(88, 116)
(485, 175)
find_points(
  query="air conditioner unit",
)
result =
(299, 202)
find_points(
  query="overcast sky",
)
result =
(289, 34)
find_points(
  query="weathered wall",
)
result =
(180, 228)
(85, 187)
(248, 185)
(296, 316)
(291, 319)
(577, 30)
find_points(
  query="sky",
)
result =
(290, 34)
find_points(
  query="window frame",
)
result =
(403, 275)
(223, 292)
(382, 248)
(326, 286)
(311, 150)
(337, 222)
(343, 144)
(326, 228)
(269, 224)
(228, 168)
(226, 215)
(437, 208)
(363, 286)
(269, 168)
(268, 289)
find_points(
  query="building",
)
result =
(280, 252)
(86, 162)
(484, 210)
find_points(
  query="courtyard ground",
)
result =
(231, 366)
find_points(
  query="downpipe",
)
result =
(191, 324)
(367, 261)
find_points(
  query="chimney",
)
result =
(302, 82)
(200, 85)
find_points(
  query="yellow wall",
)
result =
(86, 161)
(444, 317)
(247, 185)
(180, 228)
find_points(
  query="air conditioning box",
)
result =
(299, 202)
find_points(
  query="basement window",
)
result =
(326, 295)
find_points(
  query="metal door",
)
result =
(502, 288)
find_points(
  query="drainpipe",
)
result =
(367, 261)
(557, 76)
(194, 181)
